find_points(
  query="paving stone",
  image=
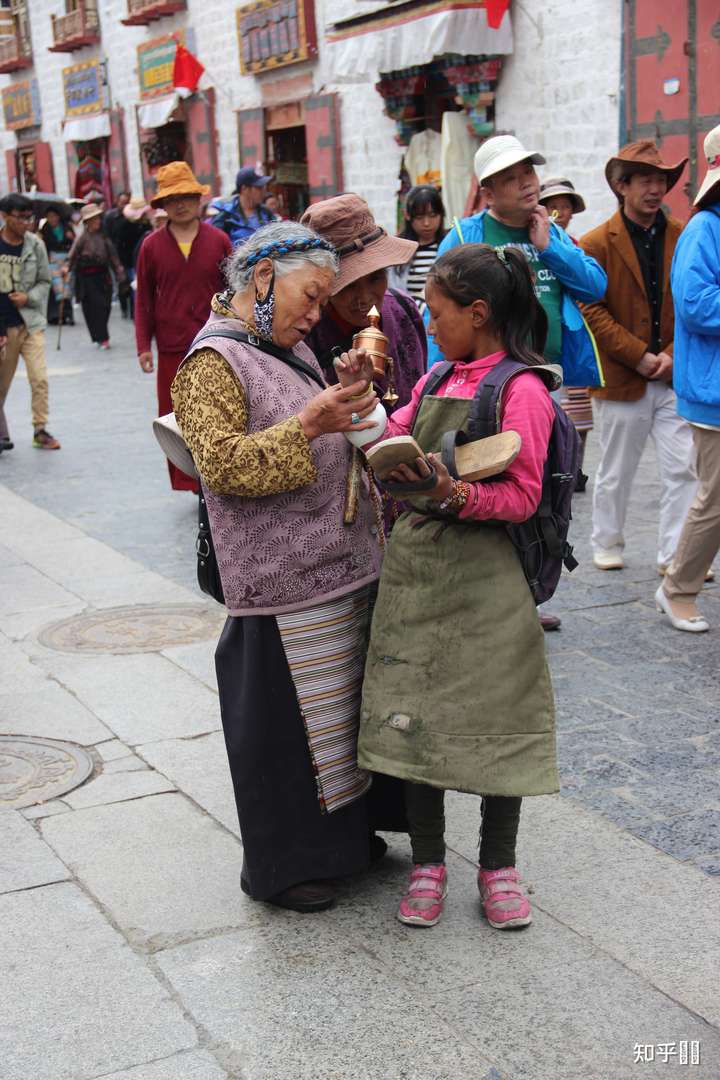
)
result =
(117, 787)
(195, 1065)
(198, 659)
(200, 768)
(52, 713)
(131, 763)
(48, 809)
(164, 870)
(25, 859)
(25, 589)
(141, 698)
(17, 627)
(63, 1017)
(314, 1004)
(687, 836)
(112, 749)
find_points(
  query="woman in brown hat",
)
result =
(91, 257)
(366, 252)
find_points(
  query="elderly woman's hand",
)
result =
(353, 365)
(334, 409)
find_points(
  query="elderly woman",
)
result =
(366, 252)
(298, 546)
(91, 258)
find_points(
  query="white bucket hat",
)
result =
(167, 432)
(711, 147)
(500, 153)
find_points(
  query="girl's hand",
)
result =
(333, 410)
(353, 366)
(443, 484)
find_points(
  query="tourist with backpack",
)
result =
(457, 693)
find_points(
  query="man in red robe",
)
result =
(178, 273)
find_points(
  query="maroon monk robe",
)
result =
(173, 304)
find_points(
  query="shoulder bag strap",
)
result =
(285, 355)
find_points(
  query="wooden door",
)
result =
(324, 154)
(117, 154)
(201, 138)
(251, 137)
(12, 171)
(44, 167)
(672, 93)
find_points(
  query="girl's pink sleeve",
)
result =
(516, 495)
(401, 421)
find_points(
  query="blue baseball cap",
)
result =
(250, 177)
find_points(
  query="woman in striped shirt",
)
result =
(424, 216)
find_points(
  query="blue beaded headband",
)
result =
(287, 247)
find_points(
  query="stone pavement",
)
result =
(128, 950)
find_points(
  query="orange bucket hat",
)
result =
(177, 178)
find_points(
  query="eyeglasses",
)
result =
(27, 218)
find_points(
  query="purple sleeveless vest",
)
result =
(281, 553)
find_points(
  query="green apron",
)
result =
(457, 692)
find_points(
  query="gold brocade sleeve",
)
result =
(211, 409)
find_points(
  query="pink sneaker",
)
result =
(422, 904)
(504, 903)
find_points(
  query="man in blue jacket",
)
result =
(244, 214)
(695, 282)
(563, 273)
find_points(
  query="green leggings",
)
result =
(426, 819)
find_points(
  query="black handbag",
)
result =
(208, 573)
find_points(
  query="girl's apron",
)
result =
(457, 692)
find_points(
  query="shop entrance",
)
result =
(30, 167)
(187, 134)
(286, 158)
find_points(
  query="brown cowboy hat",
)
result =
(362, 245)
(177, 178)
(641, 156)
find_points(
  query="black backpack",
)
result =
(541, 542)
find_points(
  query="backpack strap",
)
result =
(486, 406)
(285, 355)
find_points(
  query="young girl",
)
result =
(424, 215)
(457, 693)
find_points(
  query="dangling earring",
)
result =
(263, 311)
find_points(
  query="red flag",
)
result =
(495, 12)
(187, 70)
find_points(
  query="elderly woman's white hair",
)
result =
(305, 246)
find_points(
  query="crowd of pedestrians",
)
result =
(335, 728)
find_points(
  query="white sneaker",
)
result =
(696, 625)
(608, 560)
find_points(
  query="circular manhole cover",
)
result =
(147, 628)
(35, 770)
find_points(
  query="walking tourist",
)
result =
(562, 202)
(366, 252)
(634, 327)
(296, 561)
(457, 693)
(424, 216)
(696, 377)
(91, 259)
(112, 227)
(240, 216)
(178, 272)
(24, 288)
(58, 236)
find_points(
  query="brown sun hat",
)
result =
(362, 245)
(177, 178)
(91, 210)
(641, 156)
(558, 185)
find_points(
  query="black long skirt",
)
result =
(286, 837)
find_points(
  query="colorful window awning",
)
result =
(405, 35)
(86, 128)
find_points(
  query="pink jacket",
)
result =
(527, 409)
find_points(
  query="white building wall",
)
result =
(558, 92)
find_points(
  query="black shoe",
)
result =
(378, 848)
(581, 484)
(307, 897)
(6, 443)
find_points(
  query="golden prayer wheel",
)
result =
(375, 343)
